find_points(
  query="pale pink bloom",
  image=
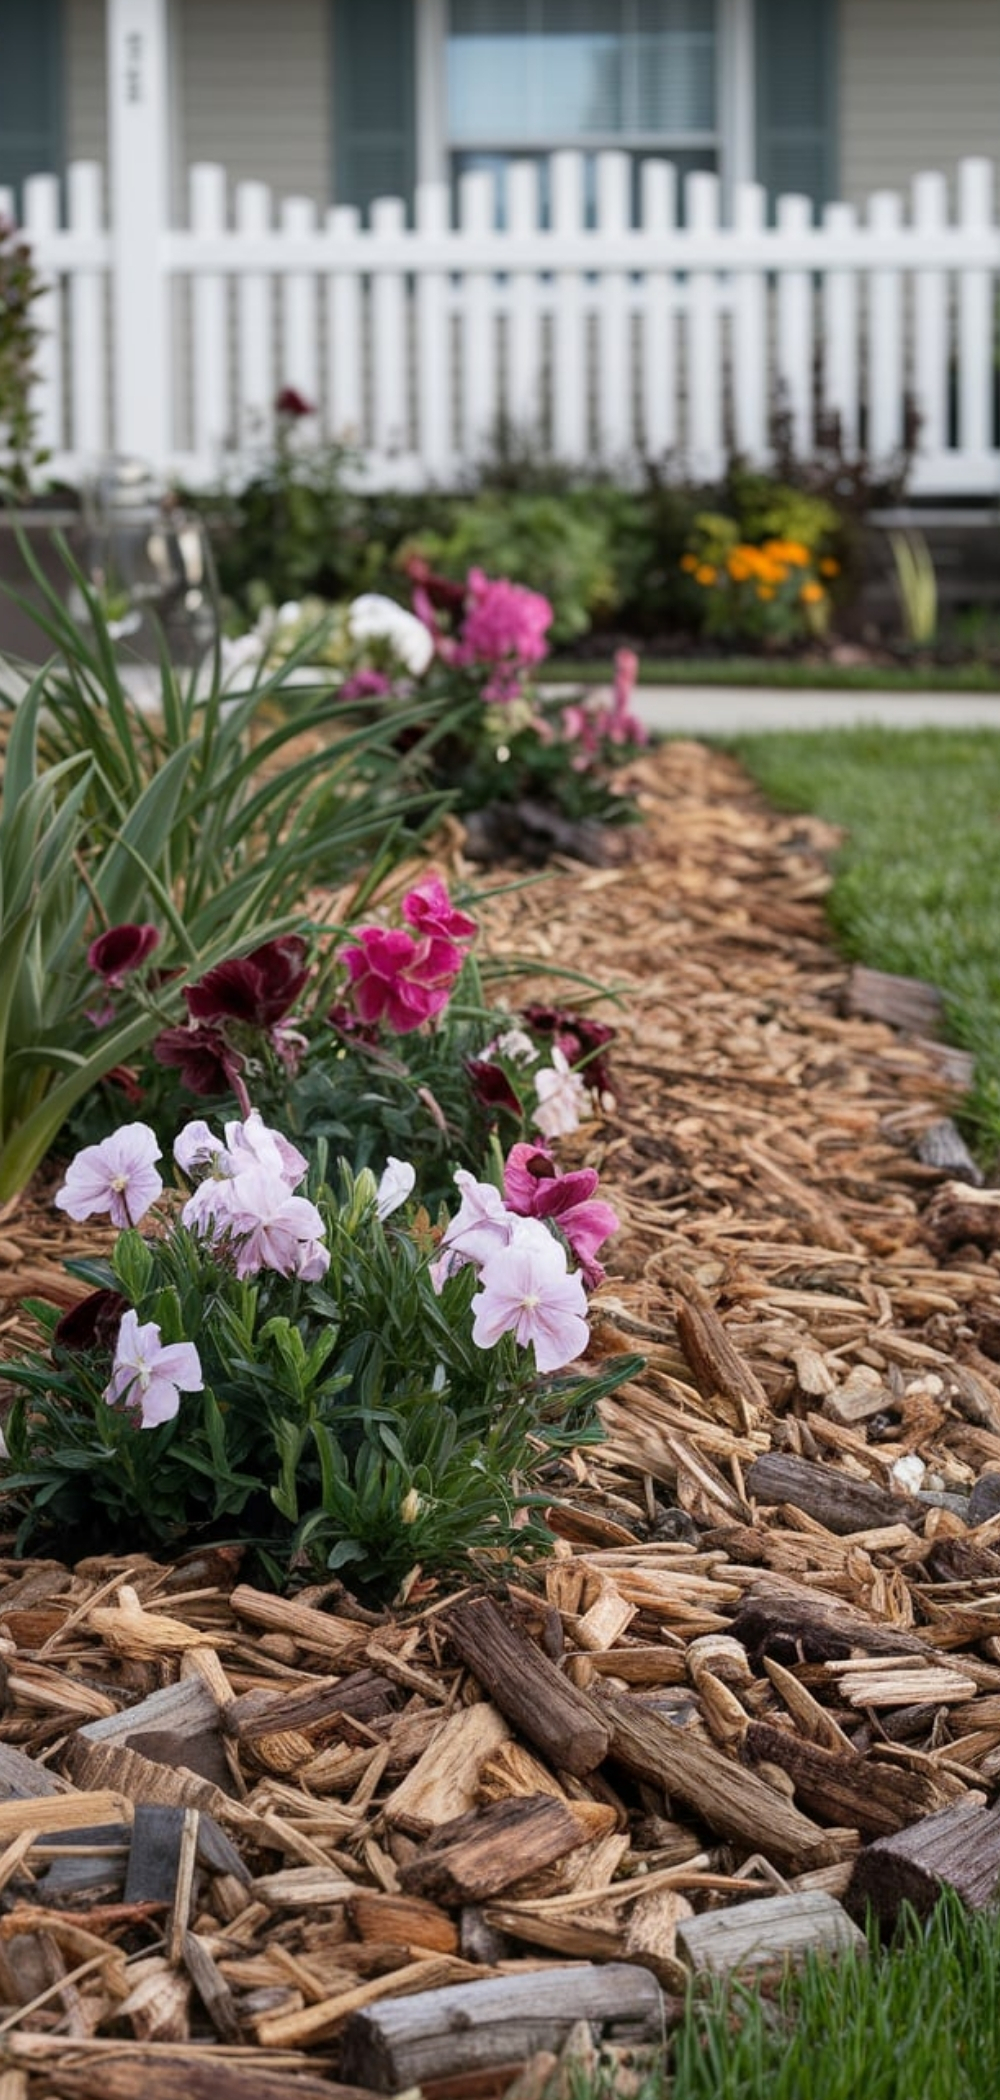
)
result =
(269, 1227)
(623, 726)
(525, 1290)
(480, 1225)
(562, 1098)
(117, 1175)
(533, 1188)
(252, 1143)
(150, 1374)
(197, 1146)
(396, 1184)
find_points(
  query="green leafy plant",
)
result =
(207, 817)
(554, 543)
(20, 287)
(305, 1372)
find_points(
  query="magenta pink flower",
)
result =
(117, 1176)
(525, 1290)
(119, 951)
(149, 1374)
(533, 1188)
(429, 908)
(365, 685)
(397, 979)
(505, 626)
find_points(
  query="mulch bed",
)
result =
(242, 1837)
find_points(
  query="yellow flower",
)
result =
(705, 573)
(829, 567)
(812, 594)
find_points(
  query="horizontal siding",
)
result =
(254, 91)
(919, 88)
(86, 98)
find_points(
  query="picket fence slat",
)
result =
(674, 337)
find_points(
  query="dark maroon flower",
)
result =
(115, 954)
(93, 1324)
(126, 1079)
(581, 1040)
(202, 1056)
(345, 1021)
(440, 590)
(258, 988)
(290, 402)
(491, 1086)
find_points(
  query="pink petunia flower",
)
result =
(397, 979)
(428, 908)
(149, 1374)
(526, 1290)
(250, 1144)
(534, 1189)
(397, 1183)
(121, 950)
(117, 1176)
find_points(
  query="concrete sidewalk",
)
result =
(704, 711)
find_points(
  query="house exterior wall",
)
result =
(85, 62)
(253, 91)
(919, 87)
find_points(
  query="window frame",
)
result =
(733, 138)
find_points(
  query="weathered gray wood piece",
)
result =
(403, 2041)
(835, 1499)
(772, 1933)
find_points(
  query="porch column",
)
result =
(137, 198)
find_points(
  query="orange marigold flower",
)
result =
(689, 562)
(705, 573)
(829, 567)
(765, 590)
(812, 593)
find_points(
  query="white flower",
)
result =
(517, 1045)
(562, 1098)
(374, 618)
(396, 1184)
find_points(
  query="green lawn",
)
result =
(917, 881)
(971, 676)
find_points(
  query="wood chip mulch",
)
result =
(253, 1846)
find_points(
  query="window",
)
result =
(526, 76)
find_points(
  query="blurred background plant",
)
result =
(20, 287)
(916, 584)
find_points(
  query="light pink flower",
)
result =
(562, 1098)
(197, 1146)
(149, 1374)
(525, 1290)
(534, 1189)
(269, 1227)
(480, 1225)
(117, 1175)
(252, 1143)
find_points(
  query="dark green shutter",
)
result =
(374, 100)
(797, 72)
(31, 116)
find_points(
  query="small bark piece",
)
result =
(563, 1723)
(482, 1853)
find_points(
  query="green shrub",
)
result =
(20, 286)
(558, 544)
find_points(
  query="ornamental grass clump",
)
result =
(309, 1365)
(208, 818)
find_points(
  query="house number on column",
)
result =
(133, 66)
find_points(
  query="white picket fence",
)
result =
(619, 340)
